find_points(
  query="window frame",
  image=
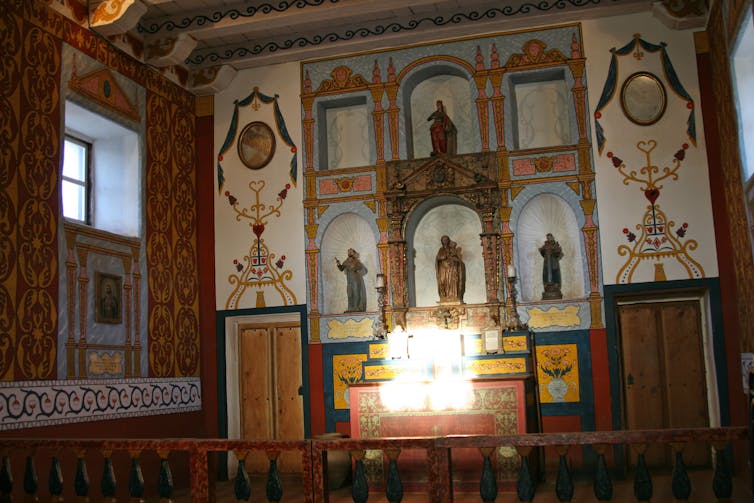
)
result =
(87, 182)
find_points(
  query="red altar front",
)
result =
(483, 407)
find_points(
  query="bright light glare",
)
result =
(450, 394)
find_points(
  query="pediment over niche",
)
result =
(451, 174)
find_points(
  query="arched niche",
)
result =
(542, 214)
(348, 230)
(421, 91)
(432, 219)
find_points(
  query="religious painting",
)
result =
(256, 145)
(107, 300)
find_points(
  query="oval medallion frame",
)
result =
(643, 98)
(256, 145)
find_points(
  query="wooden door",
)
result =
(271, 401)
(664, 381)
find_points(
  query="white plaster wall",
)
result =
(684, 200)
(284, 233)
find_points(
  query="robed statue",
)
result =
(442, 131)
(552, 253)
(451, 272)
(355, 289)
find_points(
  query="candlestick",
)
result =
(511, 271)
(380, 283)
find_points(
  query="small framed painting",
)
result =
(108, 306)
(256, 145)
(643, 98)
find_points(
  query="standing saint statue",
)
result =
(451, 272)
(552, 254)
(355, 289)
(442, 131)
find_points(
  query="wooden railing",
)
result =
(20, 458)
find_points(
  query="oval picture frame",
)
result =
(643, 98)
(256, 145)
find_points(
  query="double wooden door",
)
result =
(664, 381)
(271, 399)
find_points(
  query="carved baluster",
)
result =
(107, 485)
(274, 487)
(681, 483)
(135, 479)
(165, 480)
(360, 488)
(81, 480)
(31, 482)
(722, 480)
(55, 481)
(242, 486)
(603, 486)
(488, 484)
(642, 479)
(526, 486)
(564, 481)
(394, 488)
(6, 481)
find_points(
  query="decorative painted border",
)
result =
(428, 23)
(31, 404)
(219, 16)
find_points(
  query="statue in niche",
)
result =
(552, 253)
(442, 131)
(451, 272)
(355, 289)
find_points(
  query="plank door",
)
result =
(664, 382)
(271, 404)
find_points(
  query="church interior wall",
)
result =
(295, 207)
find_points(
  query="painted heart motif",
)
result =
(652, 195)
(258, 229)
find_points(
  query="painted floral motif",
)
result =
(346, 371)
(558, 362)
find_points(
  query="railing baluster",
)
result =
(488, 483)
(681, 483)
(526, 486)
(242, 485)
(165, 480)
(274, 488)
(564, 482)
(6, 481)
(55, 482)
(603, 486)
(722, 480)
(360, 487)
(135, 479)
(642, 479)
(31, 481)
(81, 481)
(394, 488)
(107, 485)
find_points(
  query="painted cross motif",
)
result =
(656, 238)
(260, 268)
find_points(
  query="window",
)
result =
(76, 181)
(101, 182)
(743, 80)
(742, 64)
